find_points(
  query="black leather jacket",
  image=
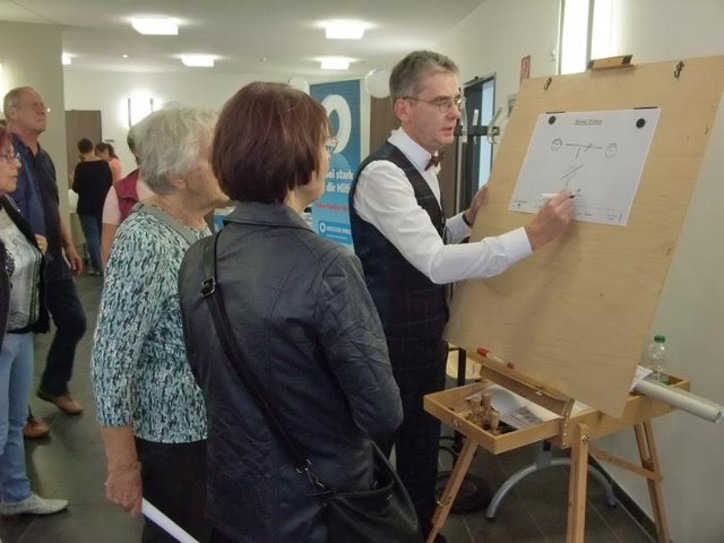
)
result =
(304, 319)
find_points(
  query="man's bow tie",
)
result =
(434, 160)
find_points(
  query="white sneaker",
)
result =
(33, 505)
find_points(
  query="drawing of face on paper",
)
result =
(597, 155)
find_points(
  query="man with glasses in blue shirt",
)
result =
(37, 198)
(410, 251)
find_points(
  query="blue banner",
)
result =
(330, 214)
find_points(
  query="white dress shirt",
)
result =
(385, 198)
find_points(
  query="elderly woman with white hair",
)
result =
(149, 406)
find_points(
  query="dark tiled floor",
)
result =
(71, 464)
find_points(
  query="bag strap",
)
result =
(168, 220)
(211, 291)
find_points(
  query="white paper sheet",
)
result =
(515, 410)
(597, 155)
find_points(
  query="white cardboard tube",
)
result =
(681, 399)
(162, 521)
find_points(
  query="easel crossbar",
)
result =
(624, 464)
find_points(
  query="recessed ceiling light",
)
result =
(198, 61)
(344, 30)
(157, 26)
(66, 59)
(335, 63)
(124, 56)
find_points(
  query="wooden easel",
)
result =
(584, 304)
(574, 431)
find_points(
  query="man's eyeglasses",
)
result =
(443, 104)
(37, 107)
(11, 156)
(331, 144)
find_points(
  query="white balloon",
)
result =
(299, 83)
(377, 83)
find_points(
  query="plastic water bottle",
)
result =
(657, 360)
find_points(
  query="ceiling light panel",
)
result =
(344, 30)
(335, 63)
(198, 61)
(155, 26)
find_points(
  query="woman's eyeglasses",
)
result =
(10, 156)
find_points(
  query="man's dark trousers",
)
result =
(418, 365)
(69, 318)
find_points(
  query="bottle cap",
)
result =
(660, 339)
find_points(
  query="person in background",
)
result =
(22, 311)
(120, 201)
(409, 251)
(91, 180)
(34, 428)
(108, 153)
(37, 198)
(304, 320)
(148, 404)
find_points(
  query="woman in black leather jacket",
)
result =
(302, 315)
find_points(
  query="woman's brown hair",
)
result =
(268, 140)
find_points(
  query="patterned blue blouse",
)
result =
(141, 375)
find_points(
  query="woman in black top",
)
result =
(91, 181)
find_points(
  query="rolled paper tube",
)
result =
(681, 399)
(151, 512)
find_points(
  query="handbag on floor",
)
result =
(384, 513)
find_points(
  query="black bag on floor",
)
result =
(383, 514)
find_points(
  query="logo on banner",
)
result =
(330, 214)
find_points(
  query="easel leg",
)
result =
(577, 485)
(453, 486)
(649, 460)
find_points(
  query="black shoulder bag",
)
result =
(383, 514)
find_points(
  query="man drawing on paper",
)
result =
(408, 251)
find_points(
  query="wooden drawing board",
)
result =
(576, 314)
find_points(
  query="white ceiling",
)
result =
(280, 37)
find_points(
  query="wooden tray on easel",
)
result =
(570, 430)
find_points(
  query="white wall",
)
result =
(497, 35)
(109, 92)
(667, 29)
(30, 55)
(691, 306)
